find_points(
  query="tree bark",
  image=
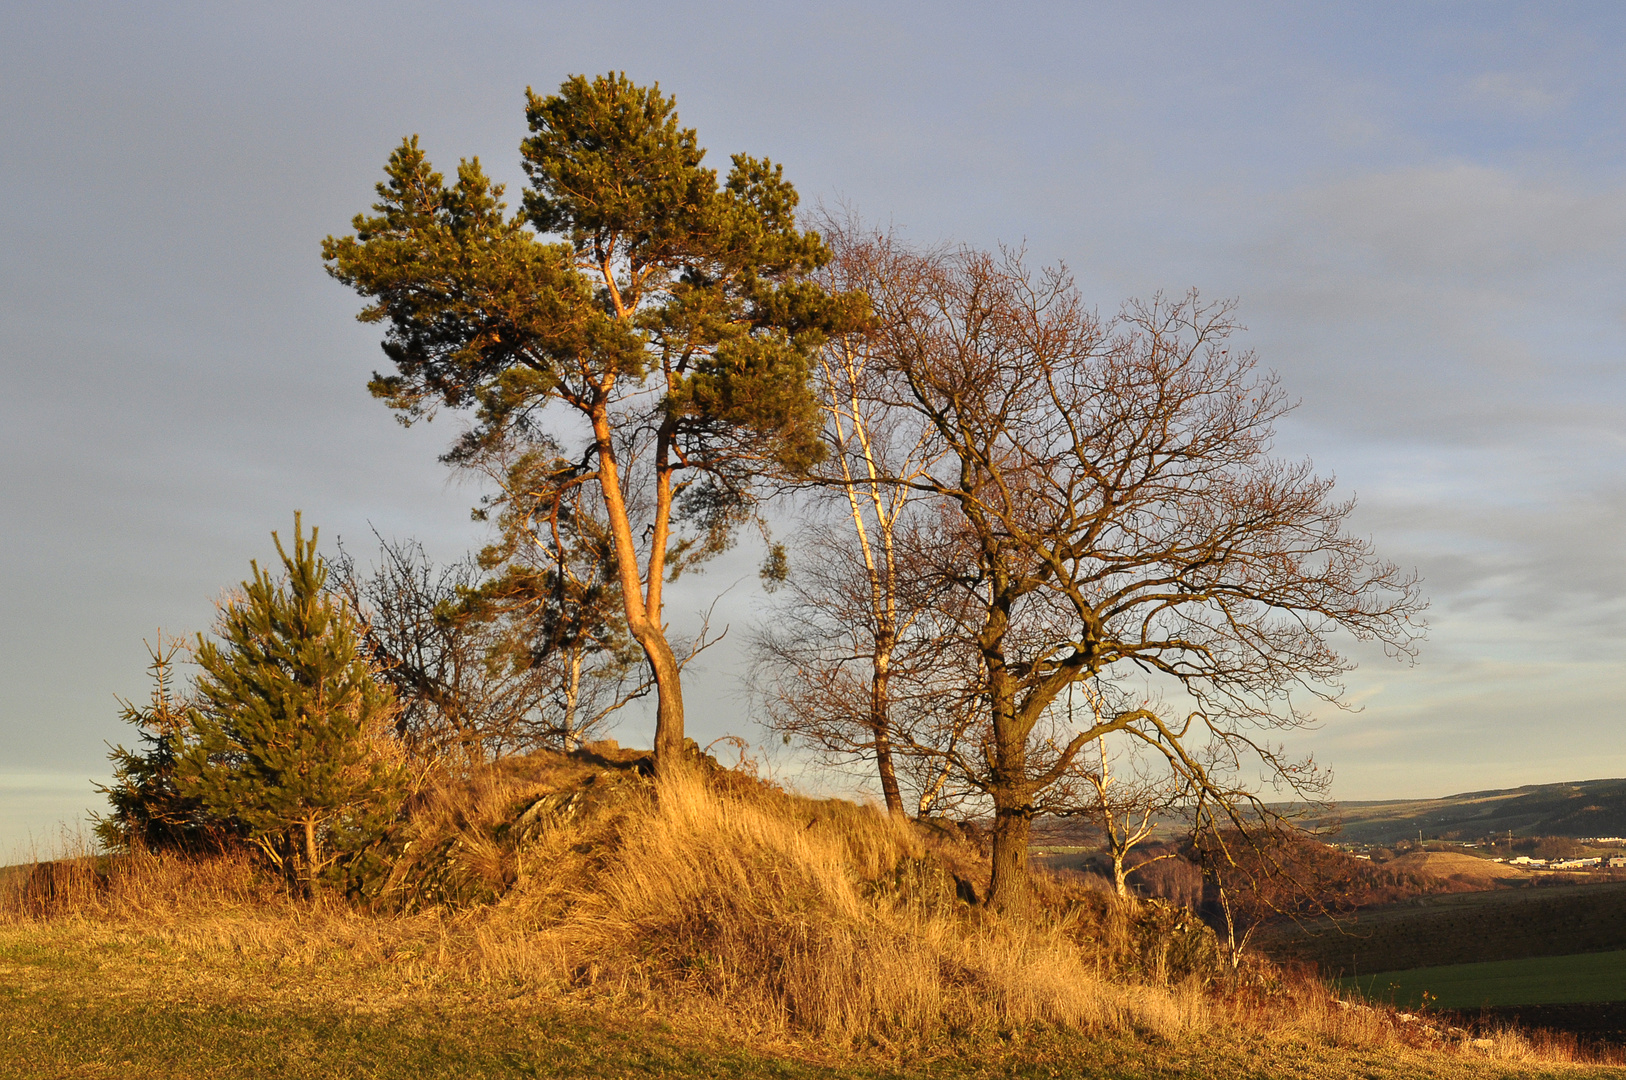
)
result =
(310, 859)
(643, 609)
(572, 695)
(1120, 876)
(669, 695)
(1008, 892)
(880, 724)
(1009, 786)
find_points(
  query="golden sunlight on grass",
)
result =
(552, 917)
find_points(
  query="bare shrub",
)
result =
(1169, 878)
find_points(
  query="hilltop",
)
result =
(1577, 809)
(570, 916)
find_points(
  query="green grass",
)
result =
(1542, 980)
(185, 1040)
(87, 1002)
(1461, 928)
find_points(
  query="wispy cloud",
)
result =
(1518, 92)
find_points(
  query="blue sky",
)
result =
(1421, 209)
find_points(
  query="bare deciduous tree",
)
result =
(451, 699)
(1126, 806)
(1118, 513)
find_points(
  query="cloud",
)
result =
(1517, 93)
(1448, 304)
(1462, 222)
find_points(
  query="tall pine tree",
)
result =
(673, 316)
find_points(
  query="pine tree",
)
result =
(289, 721)
(149, 811)
(674, 317)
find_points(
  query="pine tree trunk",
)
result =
(669, 709)
(310, 859)
(643, 610)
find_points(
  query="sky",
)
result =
(1420, 209)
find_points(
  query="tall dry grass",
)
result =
(78, 883)
(799, 915)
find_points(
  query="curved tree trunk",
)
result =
(641, 588)
(669, 696)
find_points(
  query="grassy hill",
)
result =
(1584, 808)
(566, 917)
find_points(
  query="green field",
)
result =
(1539, 980)
(1458, 929)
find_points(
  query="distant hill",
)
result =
(1586, 808)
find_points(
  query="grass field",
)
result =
(1460, 928)
(82, 1000)
(1584, 808)
(701, 927)
(1541, 980)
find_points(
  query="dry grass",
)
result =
(715, 902)
(1470, 869)
(826, 918)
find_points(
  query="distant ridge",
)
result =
(1580, 808)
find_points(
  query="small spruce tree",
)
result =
(149, 812)
(289, 720)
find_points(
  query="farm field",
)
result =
(1458, 928)
(1538, 980)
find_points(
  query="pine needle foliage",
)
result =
(674, 316)
(149, 811)
(289, 710)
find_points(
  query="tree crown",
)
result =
(661, 267)
(287, 705)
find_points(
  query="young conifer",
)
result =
(289, 719)
(149, 812)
